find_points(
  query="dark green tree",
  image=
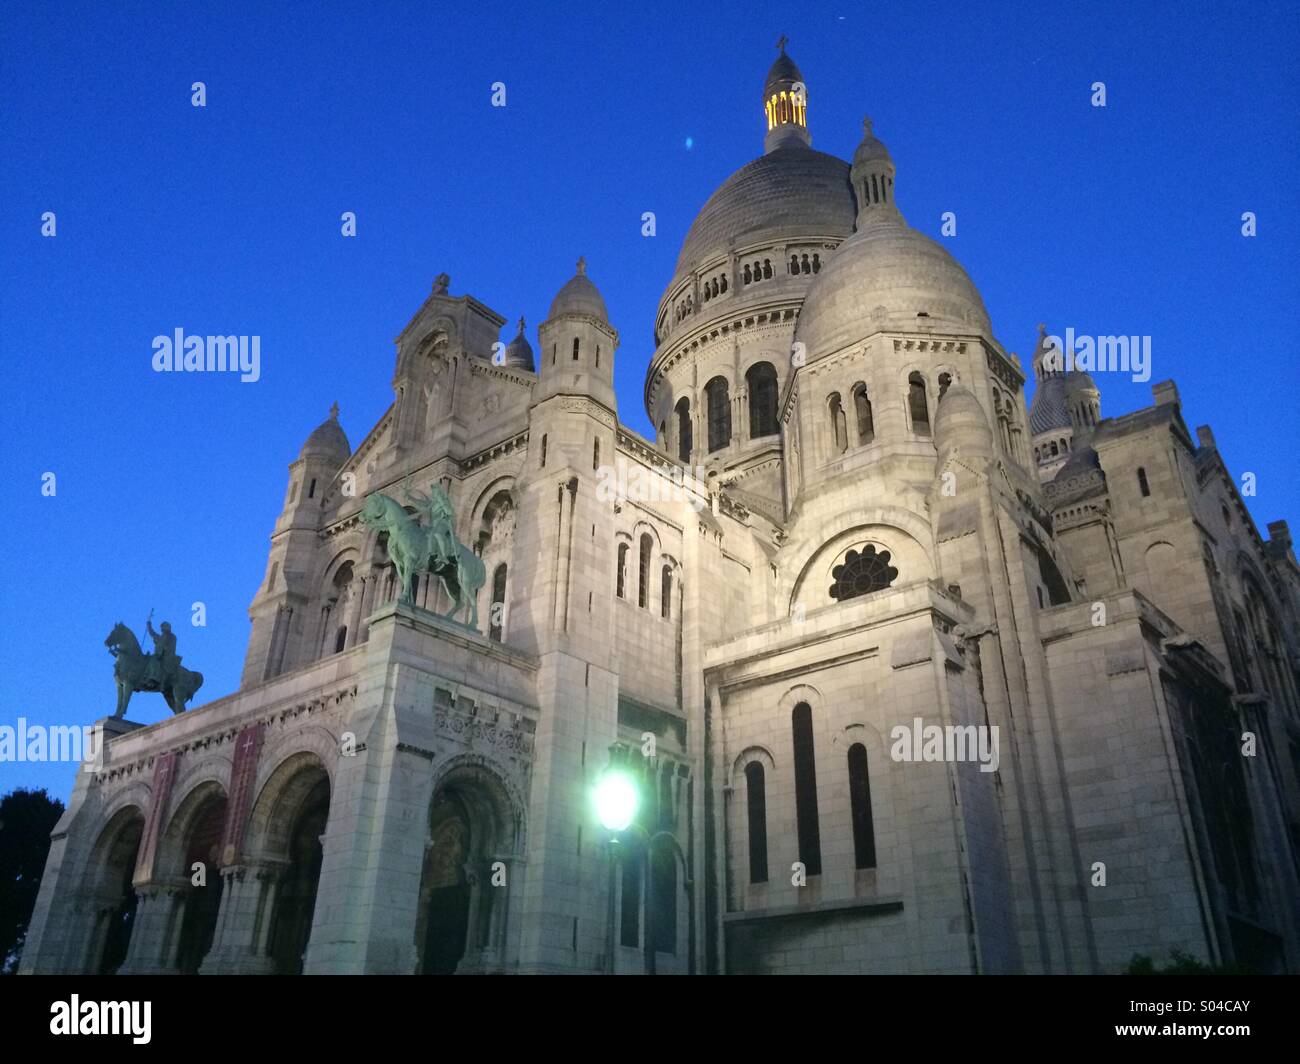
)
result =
(26, 820)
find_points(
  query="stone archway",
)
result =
(112, 892)
(200, 834)
(472, 840)
(445, 889)
(295, 899)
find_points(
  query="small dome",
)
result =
(871, 149)
(960, 422)
(887, 275)
(328, 440)
(1080, 381)
(579, 297)
(519, 352)
(1050, 409)
(783, 74)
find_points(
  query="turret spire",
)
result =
(785, 103)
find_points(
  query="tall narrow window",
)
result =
(839, 425)
(554, 348)
(643, 584)
(497, 612)
(760, 379)
(663, 868)
(805, 790)
(340, 639)
(598, 356)
(864, 830)
(862, 411)
(1143, 486)
(719, 407)
(620, 578)
(684, 442)
(543, 450)
(595, 455)
(575, 349)
(916, 405)
(756, 808)
(311, 492)
(666, 593)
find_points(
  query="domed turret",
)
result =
(579, 297)
(519, 352)
(577, 353)
(886, 275)
(873, 179)
(785, 102)
(960, 423)
(328, 441)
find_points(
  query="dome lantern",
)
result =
(785, 103)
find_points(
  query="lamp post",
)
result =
(616, 800)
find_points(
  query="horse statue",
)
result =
(417, 549)
(137, 671)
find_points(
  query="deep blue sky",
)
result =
(226, 220)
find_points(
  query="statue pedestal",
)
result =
(420, 615)
(103, 732)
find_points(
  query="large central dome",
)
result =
(790, 192)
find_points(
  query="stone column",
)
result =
(355, 613)
(238, 944)
(146, 954)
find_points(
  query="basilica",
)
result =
(864, 527)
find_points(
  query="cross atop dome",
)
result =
(582, 264)
(334, 411)
(781, 42)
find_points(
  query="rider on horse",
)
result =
(437, 506)
(165, 661)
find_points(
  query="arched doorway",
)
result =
(113, 864)
(474, 833)
(445, 893)
(295, 899)
(203, 899)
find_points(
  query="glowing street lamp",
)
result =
(616, 801)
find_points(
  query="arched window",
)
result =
(767, 268)
(684, 442)
(620, 584)
(805, 790)
(760, 379)
(1143, 486)
(719, 407)
(340, 639)
(861, 573)
(643, 585)
(497, 612)
(794, 264)
(747, 277)
(864, 831)
(722, 286)
(862, 411)
(756, 810)
(817, 264)
(575, 349)
(666, 592)
(1055, 452)
(945, 380)
(839, 425)
(916, 404)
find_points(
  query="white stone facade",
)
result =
(392, 792)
